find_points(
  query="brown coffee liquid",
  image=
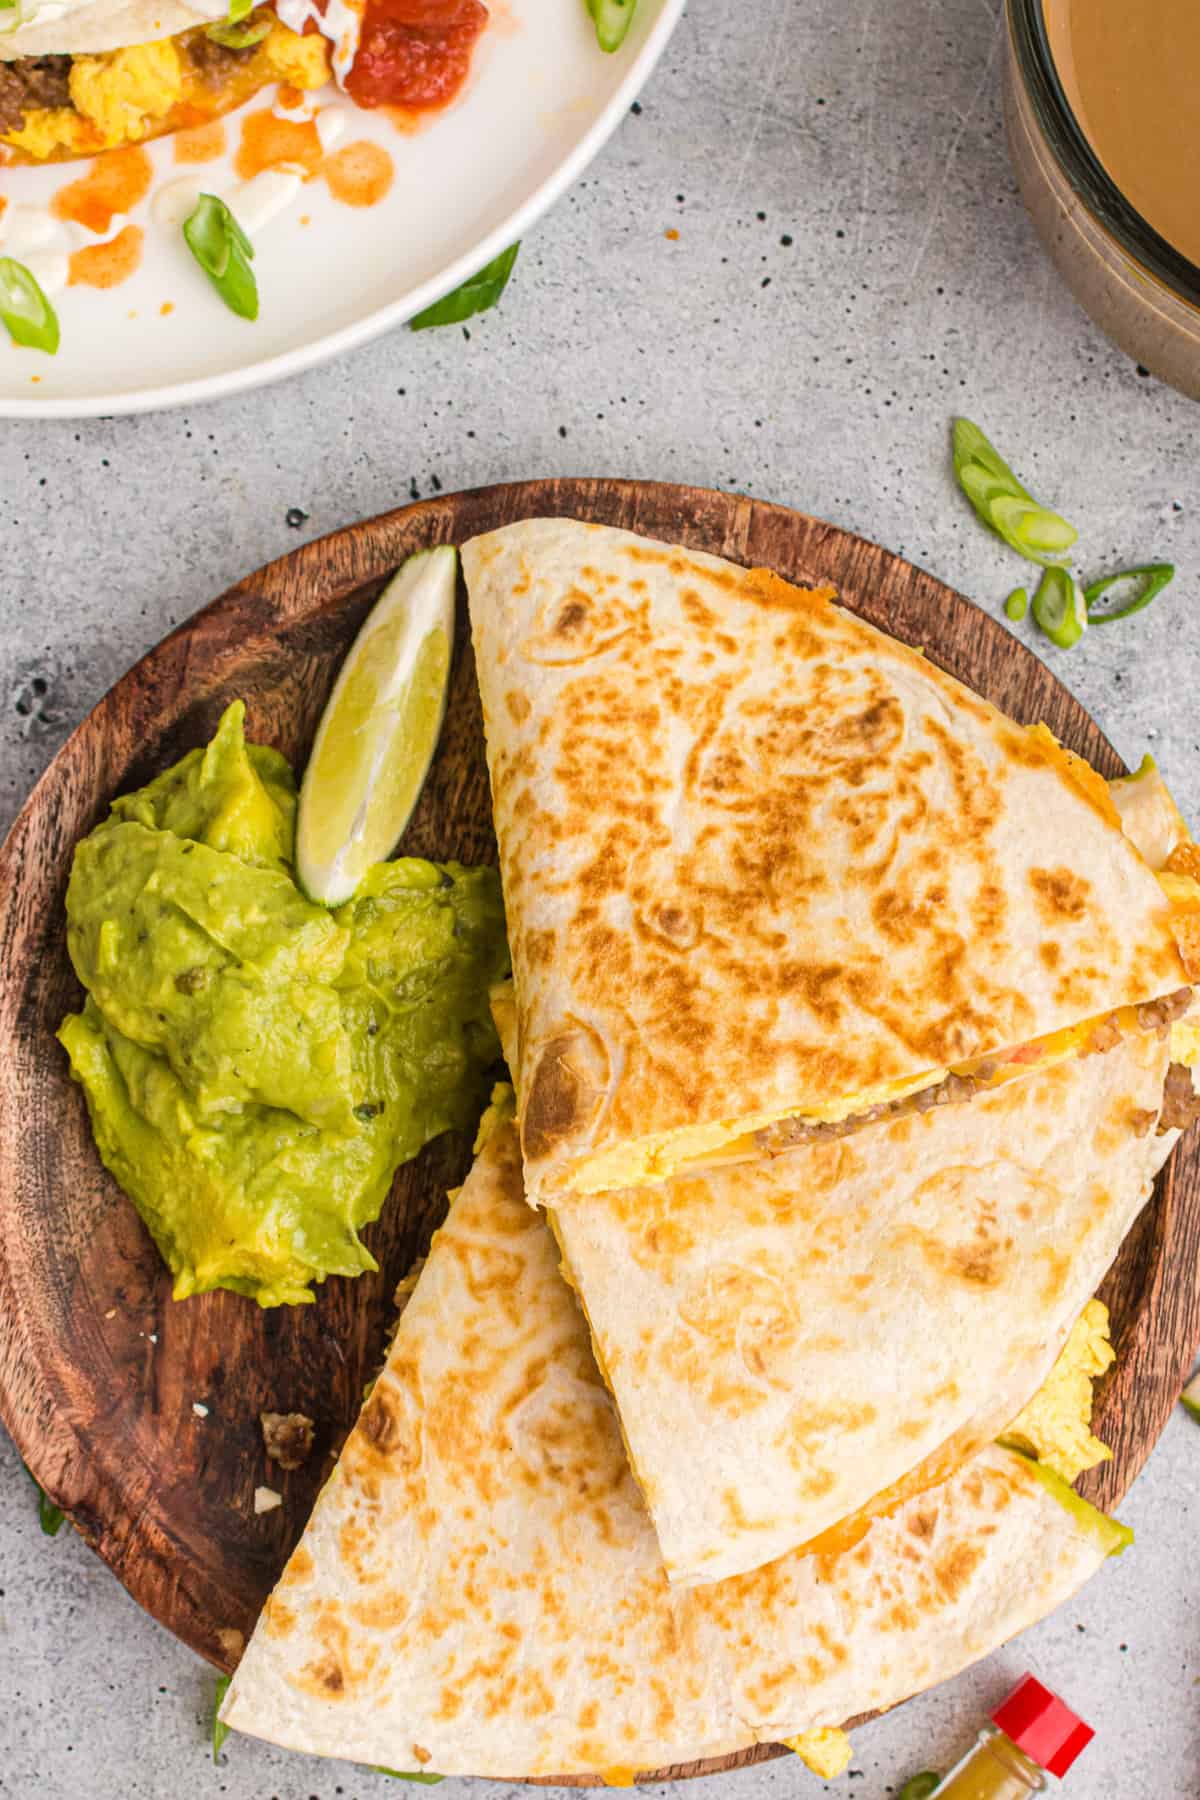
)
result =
(1131, 71)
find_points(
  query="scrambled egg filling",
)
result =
(1056, 1425)
(653, 1159)
(124, 96)
(825, 1751)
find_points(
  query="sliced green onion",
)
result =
(474, 296)
(1154, 577)
(408, 1775)
(28, 315)
(1003, 503)
(239, 37)
(224, 252)
(1059, 608)
(919, 1787)
(612, 19)
(220, 1731)
(50, 1516)
(1029, 528)
(1190, 1397)
(1017, 604)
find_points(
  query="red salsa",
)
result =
(414, 53)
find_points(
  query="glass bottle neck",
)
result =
(994, 1770)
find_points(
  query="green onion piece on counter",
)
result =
(1059, 609)
(50, 1517)
(220, 1731)
(224, 252)
(1017, 604)
(474, 296)
(1190, 1397)
(919, 1787)
(612, 19)
(1154, 577)
(29, 317)
(239, 37)
(406, 1775)
(1003, 504)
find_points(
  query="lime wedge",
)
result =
(379, 730)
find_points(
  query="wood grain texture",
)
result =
(99, 1369)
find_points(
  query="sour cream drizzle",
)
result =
(33, 236)
(253, 203)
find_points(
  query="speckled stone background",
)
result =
(852, 267)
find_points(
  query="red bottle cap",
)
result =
(1042, 1725)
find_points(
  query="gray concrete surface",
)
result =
(852, 267)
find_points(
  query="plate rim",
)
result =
(310, 578)
(320, 350)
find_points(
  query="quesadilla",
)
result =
(79, 78)
(770, 873)
(796, 1341)
(479, 1589)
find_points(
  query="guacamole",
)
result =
(257, 1067)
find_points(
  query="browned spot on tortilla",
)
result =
(278, 1618)
(381, 1424)
(300, 1568)
(565, 1090)
(1060, 894)
(953, 1570)
(325, 1676)
(900, 1617)
(450, 1703)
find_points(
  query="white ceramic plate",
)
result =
(541, 102)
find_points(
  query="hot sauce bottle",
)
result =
(1032, 1735)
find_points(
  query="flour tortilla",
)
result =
(788, 1340)
(479, 1590)
(759, 857)
(84, 30)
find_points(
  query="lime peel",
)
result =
(377, 735)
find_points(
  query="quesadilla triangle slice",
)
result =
(797, 1343)
(479, 1589)
(768, 870)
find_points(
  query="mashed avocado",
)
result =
(256, 1067)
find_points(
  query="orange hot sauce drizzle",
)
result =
(204, 143)
(359, 175)
(114, 184)
(107, 265)
(269, 142)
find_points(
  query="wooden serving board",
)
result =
(99, 1368)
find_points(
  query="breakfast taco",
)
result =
(81, 76)
(79, 79)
